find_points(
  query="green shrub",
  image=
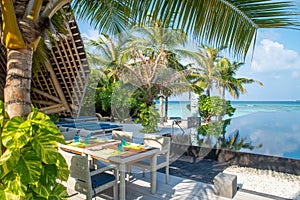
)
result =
(30, 163)
(149, 117)
(214, 107)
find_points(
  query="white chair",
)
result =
(118, 135)
(86, 181)
(70, 133)
(163, 143)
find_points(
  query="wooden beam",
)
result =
(58, 87)
(54, 110)
(51, 107)
(43, 102)
(46, 95)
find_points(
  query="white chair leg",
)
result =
(115, 190)
(128, 172)
(167, 174)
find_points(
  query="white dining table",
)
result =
(122, 160)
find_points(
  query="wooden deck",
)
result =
(178, 188)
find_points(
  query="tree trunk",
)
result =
(223, 93)
(18, 82)
(166, 107)
(194, 114)
(161, 110)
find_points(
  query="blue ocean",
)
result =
(272, 127)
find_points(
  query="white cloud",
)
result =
(273, 56)
(90, 34)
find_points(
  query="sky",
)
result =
(275, 63)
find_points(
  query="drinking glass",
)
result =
(123, 140)
(76, 138)
(120, 147)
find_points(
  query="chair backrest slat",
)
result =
(78, 165)
(163, 143)
(118, 135)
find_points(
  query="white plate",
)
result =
(147, 147)
(134, 144)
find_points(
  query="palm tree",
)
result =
(225, 78)
(235, 25)
(109, 54)
(159, 39)
(204, 70)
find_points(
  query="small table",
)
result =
(107, 151)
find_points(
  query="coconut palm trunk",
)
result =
(18, 82)
(161, 107)
(166, 107)
(23, 24)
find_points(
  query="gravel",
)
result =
(267, 181)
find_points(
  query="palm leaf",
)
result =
(219, 22)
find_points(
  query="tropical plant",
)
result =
(109, 54)
(157, 39)
(149, 117)
(235, 25)
(24, 22)
(210, 131)
(214, 107)
(214, 129)
(203, 66)
(225, 78)
(31, 163)
(221, 22)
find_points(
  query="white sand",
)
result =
(267, 181)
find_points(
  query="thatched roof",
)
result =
(60, 87)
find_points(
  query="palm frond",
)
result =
(107, 16)
(221, 22)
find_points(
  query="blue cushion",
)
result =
(69, 125)
(110, 126)
(101, 179)
(92, 128)
(175, 118)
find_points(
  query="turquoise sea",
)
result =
(273, 127)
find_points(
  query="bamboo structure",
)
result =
(58, 88)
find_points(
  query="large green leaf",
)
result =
(44, 123)
(2, 194)
(42, 190)
(59, 192)
(15, 188)
(62, 168)
(16, 133)
(31, 144)
(29, 166)
(45, 147)
(8, 161)
(49, 174)
(48, 187)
